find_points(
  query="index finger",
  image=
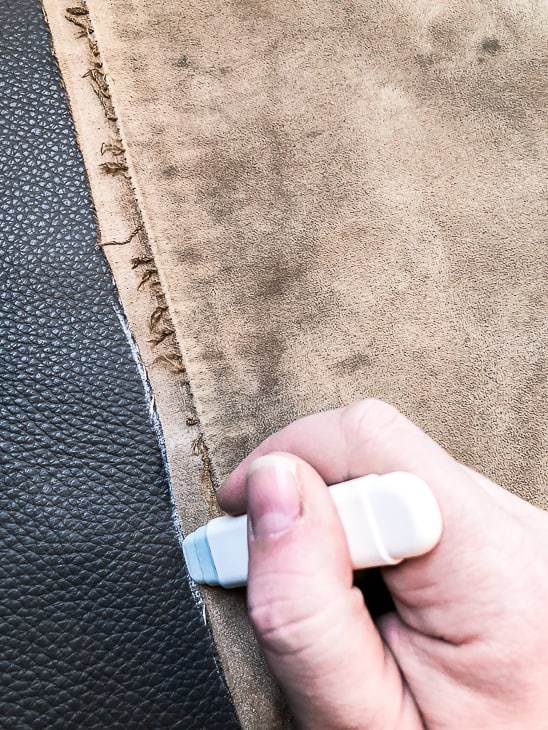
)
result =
(368, 437)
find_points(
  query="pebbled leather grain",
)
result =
(98, 627)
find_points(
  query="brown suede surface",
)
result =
(346, 199)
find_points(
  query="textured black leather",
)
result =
(98, 627)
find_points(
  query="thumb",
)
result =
(318, 637)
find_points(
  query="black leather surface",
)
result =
(98, 628)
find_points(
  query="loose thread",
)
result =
(127, 240)
(162, 335)
(156, 316)
(174, 362)
(113, 168)
(147, 275)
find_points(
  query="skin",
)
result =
(467, 646)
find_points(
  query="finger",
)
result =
(318, 638)
(370, 437)
(367, 437)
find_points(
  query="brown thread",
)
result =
(162, 335)
(127, 240)
(200, 449)
(80, 24)
(77, 11)
(174, 361)
(198, 445)
(98, 82)
(147, 275)
(97, 78)
(156, 316)
(141, 261)
(94, 48)
(113, 168)
(112, 147)
(72, 16)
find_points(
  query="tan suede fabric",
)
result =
(346, 199)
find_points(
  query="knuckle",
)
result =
(285, 626)
(268, 616)
(369, 420)
(300, 625)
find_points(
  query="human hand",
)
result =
(467, 646)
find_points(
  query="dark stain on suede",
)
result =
(283, 281)
(424, 60)
(352, 364)
(443, 35)
(253, 10)
(182, 62)
(223, 182)
(490, 46)
(250, 187)
(458, 88)
(212, 355)
(170, 172)
(189, 256)
(272, 346)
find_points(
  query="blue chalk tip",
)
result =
(199, 560)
